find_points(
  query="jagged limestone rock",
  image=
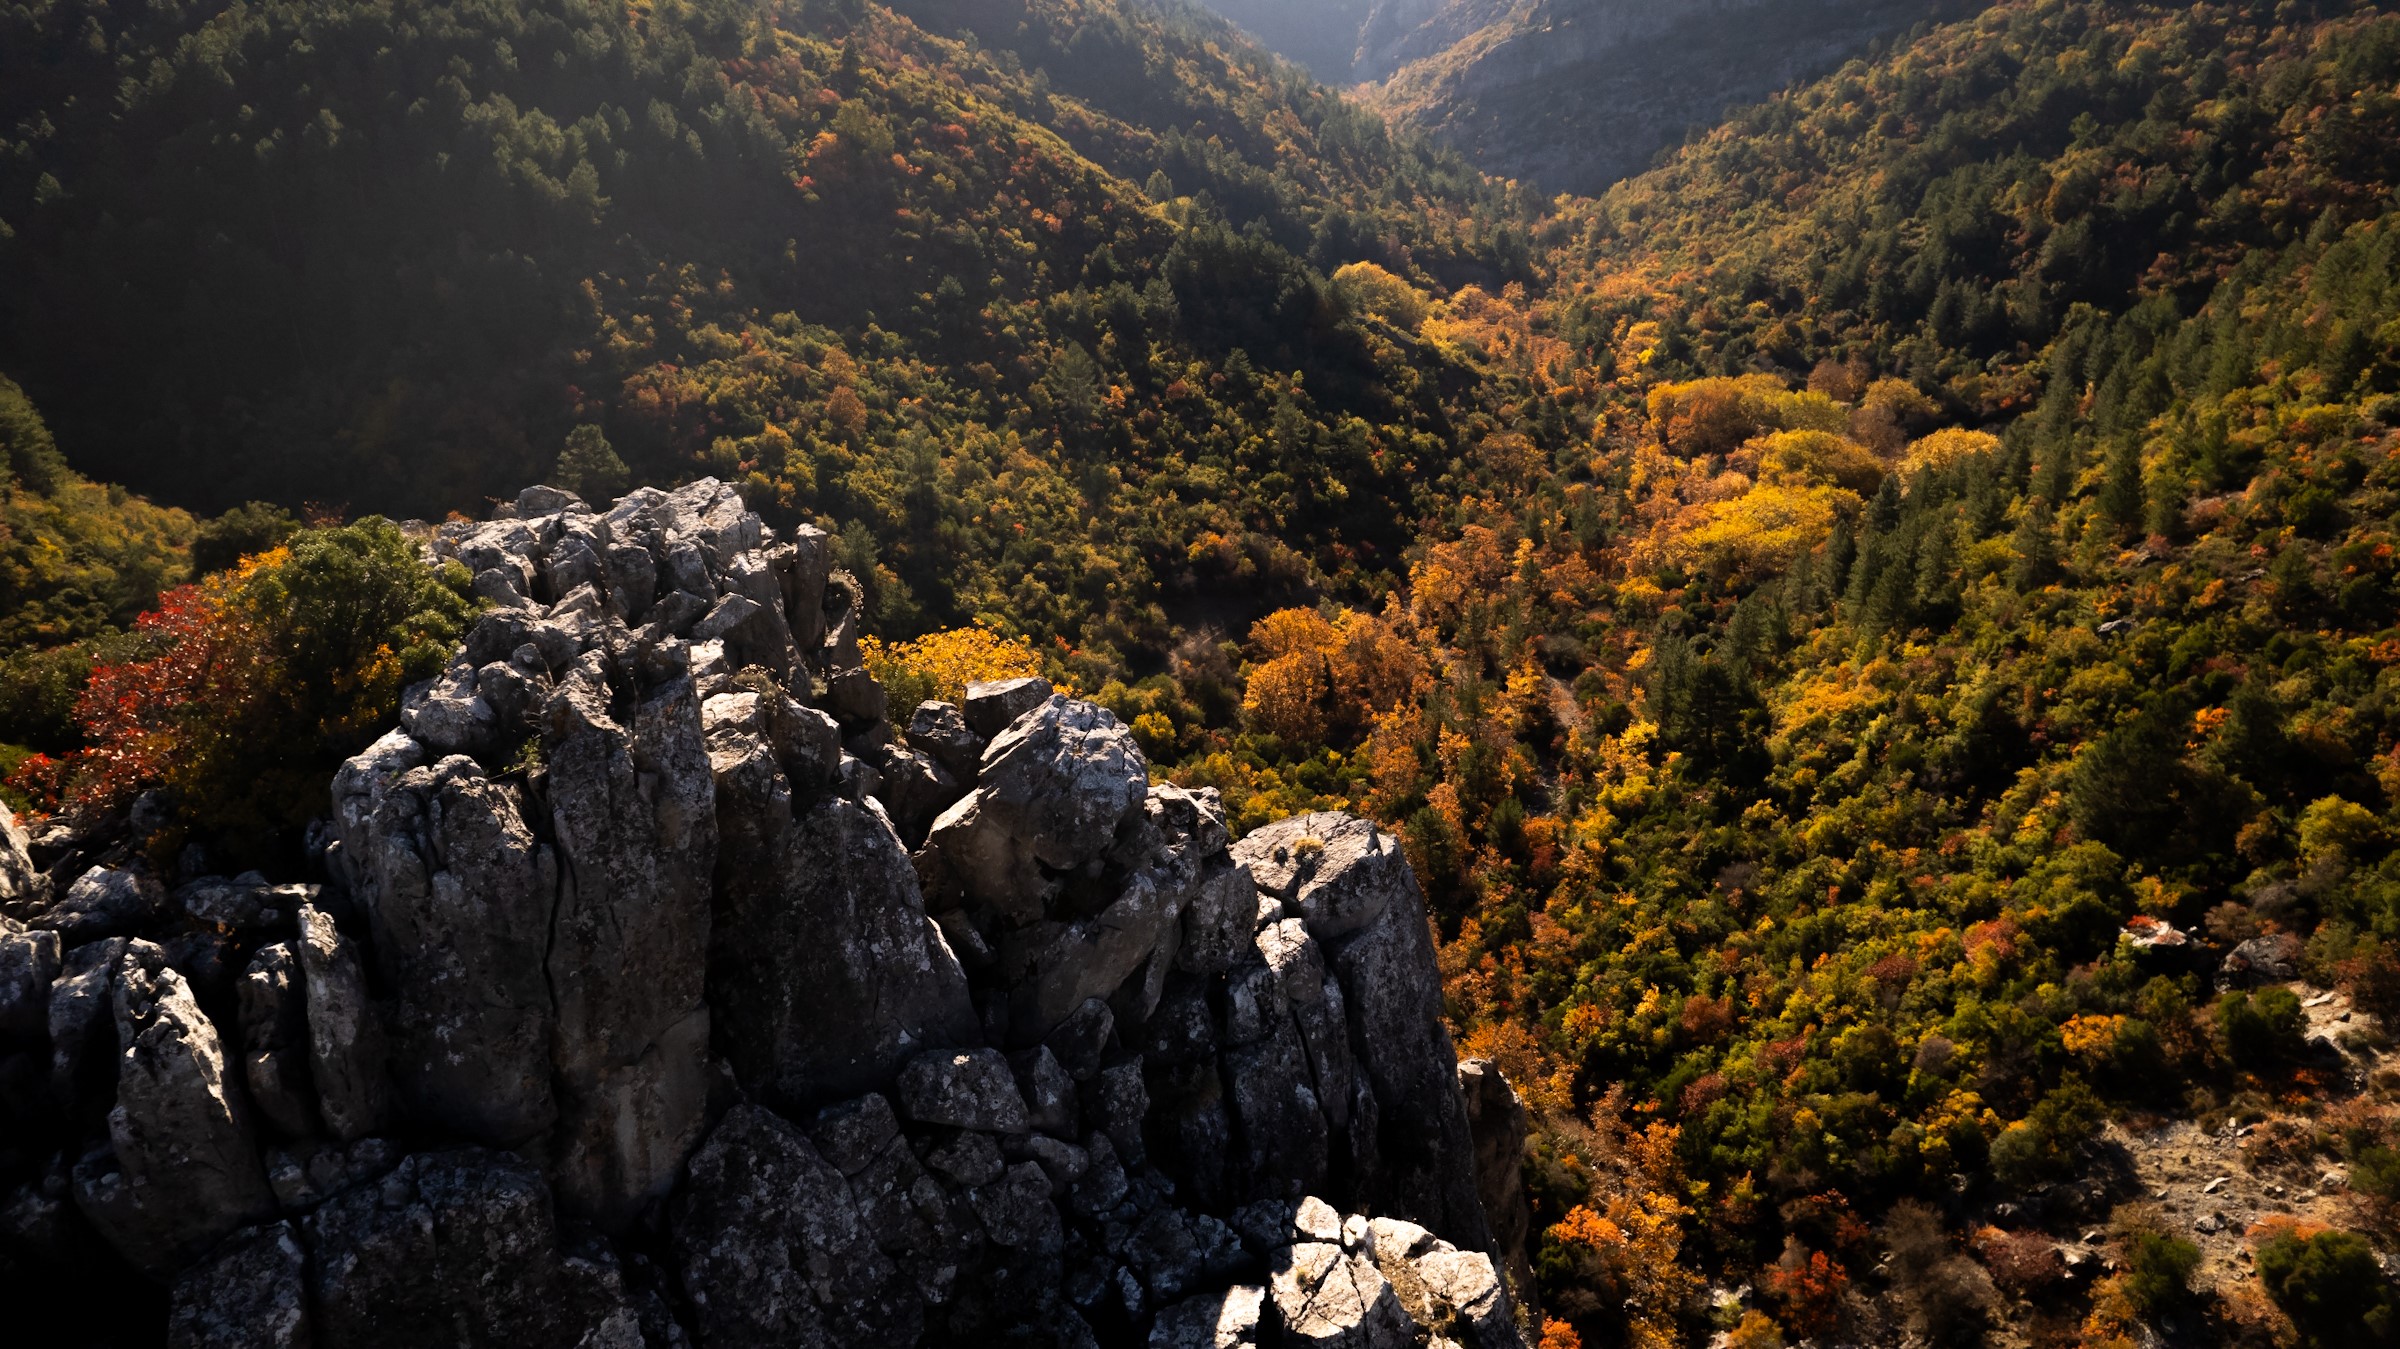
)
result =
(632, 807)
(83, 1032)
(1333, 1299)
(1089, 1101)
(994, 705)
(828, 976)
(458, 897)
(274, 1022)
(22, 889)
(345, 1041)
(1227, 1318)
(772, 1249)
(1054, 787)
(1497, 1121)
(965, 1089)
(103, 902)
(1353, 890)
(183, 1169)
(29, 963)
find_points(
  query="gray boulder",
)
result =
(772, 1249)
(1497, 1121)
(449, 713)
(83, 1029)
(993, 706)
(1059, 966)
(1016, 1210)
(345, 1041)
(103, 902)
(941, 730)
(29, 964)
(458, 898)
(1226, 1318)
(826, 975)
(632, 807)
(1054, 788)
(2271, 959)
(1353, 889)
(1218, 921)
(1333, 1299)
(274, 1021)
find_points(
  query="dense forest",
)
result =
(1879, 634)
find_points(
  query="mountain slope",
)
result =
(389, 256)
(1932, 743)
(1576, 94)
(1571, 95)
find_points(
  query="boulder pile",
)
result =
(656, 988)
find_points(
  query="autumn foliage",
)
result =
(940, 665)
(252, 684)
(1316, 678)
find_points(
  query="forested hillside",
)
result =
(1571, 95)
(1971, 620)
(951, 285)
(1574, 95)
(1879, 635)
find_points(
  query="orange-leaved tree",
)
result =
(1610, 1265)
(1317, 679)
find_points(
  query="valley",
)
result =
(1873, 627)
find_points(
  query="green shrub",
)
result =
(2332, 1288)
(2375, 1172)
(2261, 1031)
(2158, 1270)
(2044, 1145)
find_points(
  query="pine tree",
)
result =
(589, 467)
(2036, 549)
(2121, 495)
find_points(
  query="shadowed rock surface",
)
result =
(622, 1015)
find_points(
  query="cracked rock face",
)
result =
(623, 955)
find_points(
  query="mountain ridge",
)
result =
(1573, 95)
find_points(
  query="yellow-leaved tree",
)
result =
(940, 665)
(1759, 533)
(1370, 289)
(1817, 459)
(1945, 447)
(1714, 416)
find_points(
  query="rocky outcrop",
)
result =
(1351, 889)
(1499, 1124)
(626, 1014)
(18, 879)
(181, 1168)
